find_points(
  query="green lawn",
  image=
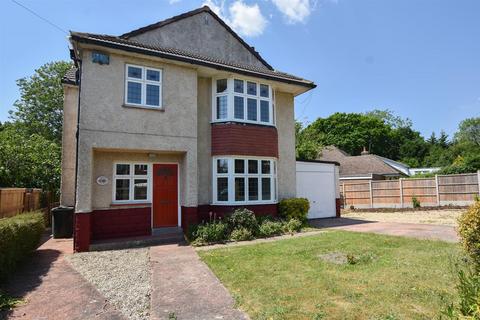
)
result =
(395, 278)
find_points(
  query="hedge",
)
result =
(19, 236)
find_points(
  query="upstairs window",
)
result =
(242, 101)
(143, 86)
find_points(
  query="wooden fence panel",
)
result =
(457, 189)
(14, 201)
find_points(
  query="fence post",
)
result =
(344, 196)
(371, 193)
(478, 180)
(437, 191)
(400, 185)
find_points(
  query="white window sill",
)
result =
(244, 122)
(255, 203)
(135, 106)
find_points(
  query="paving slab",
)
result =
(52, 290)
(412, 230)
(183, 287)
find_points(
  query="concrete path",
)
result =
(412, 230)
(51, 289)
(183, 287)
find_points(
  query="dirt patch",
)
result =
(437, 217)
(334, 257)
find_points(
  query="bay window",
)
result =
(242, 101)
(238, 180)
(131, 182)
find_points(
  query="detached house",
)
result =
(172, 121)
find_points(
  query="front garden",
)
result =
(339, 275)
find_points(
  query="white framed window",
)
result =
(143, 86)
(242, 100)
(131, 182)
(244, 180)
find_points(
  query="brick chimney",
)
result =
(364, 152)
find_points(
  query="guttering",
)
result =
(190, 60)
(320, 161)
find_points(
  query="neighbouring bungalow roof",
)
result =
(354, 166)
(192, 13)
(70, 77)
(115, 42)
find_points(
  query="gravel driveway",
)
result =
(122, 276)
(439, 217)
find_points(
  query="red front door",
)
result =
(165, 195)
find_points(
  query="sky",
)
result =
(418, 58)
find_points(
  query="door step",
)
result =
(166, 230)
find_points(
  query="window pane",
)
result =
(252, 88)
(252, 109)
(239, 189)
(122, 187)
(252, 166)
(238, 107)
(123, 169)
(239, 166)
(134, 92)
(134, 72)
(222, 107)
(222, 189)
(264, 111)
(140, 189)
(264, 90)
(153, 75)
(266, 166)
(141, 169)
(153, 95)
(238, 86)
(266, 194)
(221, 85)
(252, 188)
(222, 166)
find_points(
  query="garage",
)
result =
(318, 181)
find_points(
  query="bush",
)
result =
(242, 218)
(241, 234)
(208, 233)
(19, 236)
(469, 231)
(293, 225)
(270, 228)
(294, 208)
(415, 202)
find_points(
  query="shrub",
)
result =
(293, 225)
(415, 202)
(270, 228)
(242, 218)
(294, 208)
(241, 234)
(469, 231)
(208, 233)
(19, 236)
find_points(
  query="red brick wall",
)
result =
(82, 233)
(244, 139)
(124, 222)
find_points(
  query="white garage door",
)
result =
(317, 183)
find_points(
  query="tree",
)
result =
(26, 160)
(351, 132)
(469, 131)
(390, 119)
(40, 107)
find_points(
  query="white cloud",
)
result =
(294, 10)
(245, 19)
